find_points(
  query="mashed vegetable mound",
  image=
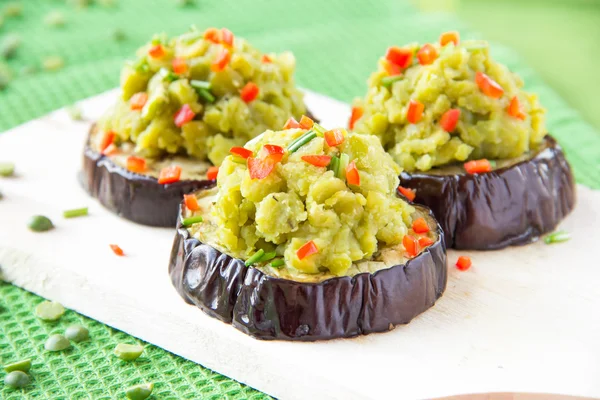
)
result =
(321, 213)
(201, 93)
(417, 93)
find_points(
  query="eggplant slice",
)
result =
(268, 307)
(512, 205)
(138, 198)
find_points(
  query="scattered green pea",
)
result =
(75, 112)
(53, 63)
(55, 19)
(13, 9)
(57, 343)
(7, 169)
(77, 333)
(39, 223)
(9, 45)
(139, 392)
(128, 352)
(119, 35)
(21, 365)
(49, 310)
(17, 379)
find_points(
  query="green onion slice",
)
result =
(388, 80)
(319, 129)
(344, 161)
(191, 220)
(76, 212)
(302, 140)
(278, 263)
(167, 75)
(334, 165)
(206, 95)
(196, 84)
(268, 256)
(255, 257)
(557, 237)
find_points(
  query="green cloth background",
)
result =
(336, 42)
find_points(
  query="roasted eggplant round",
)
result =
(136, 197)
(512, 205)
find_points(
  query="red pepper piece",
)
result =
(352, 175)
(307, 249)
(179, 66)
(317, 161)
(463, 263)
(414, 113)
(107, 140)
(410, 194)
(260, 168)
(138, 101)
(427, 54)
(450, 119)
(117, 250)
(110, 150)
(399, 56)
(221, 61)
(425, 241)
(334, 137)
(156, 51)
(392, 69)
(227, 37)
(514, 109)
(169, 174)
(357, 113)
(240, 151)
(448, 37)
(266, 59)
(419, 225)
(273, 149)
(306, 123)
(212, 35)
(488, 86)
(212, 173)
(249, 92)
(191, 202)
(478, 166)
(410, 245)
(136, 164)
(184, 115)
(291, 123)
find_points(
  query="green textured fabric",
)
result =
(336, 42)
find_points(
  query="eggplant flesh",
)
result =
(511, 205)
(136, 197)
(266, 307)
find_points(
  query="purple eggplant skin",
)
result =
(508, 206)
(136, 197)
(268, 308)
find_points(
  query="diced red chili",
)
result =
(266, 59)
(249, 92)
(392, 69)
(419, 225)
(107, 140)
(463, 263)
(478, 166)
(449, 119)
(117, 250)
(399, 56)
(273, 149)
(212, 173)
(212, 35)
(240, 151)
(110, 150)
(427, 54)
(448, 37)
(184, 115)
(227, 37)
(410, 245)
(425, 241)
(352, 175)
(221, 61)
(179, 65)
(414, 113)
(306, 122)
(514, 109)
(488, 86)
(291, 123)
(156, 51)
(260, 168)
(357, 113)
(138, 100)
(307, 249)
(169, 174)
(136, 164)
(317, 161)
(191, 202)
(334, 137)
(410, 194)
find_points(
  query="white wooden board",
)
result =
(524, 319)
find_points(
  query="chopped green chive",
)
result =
(196, 84)
(76, 212)
(319, 129)
(334, 165)
(7, 169)
(191, 220)
(167, 75)
(557, 237)
(388, 80)
(278, 263)
(302, 140)
(344, 161)
(21, 365)
(268, 256)
(206, 95)
(255, 257)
